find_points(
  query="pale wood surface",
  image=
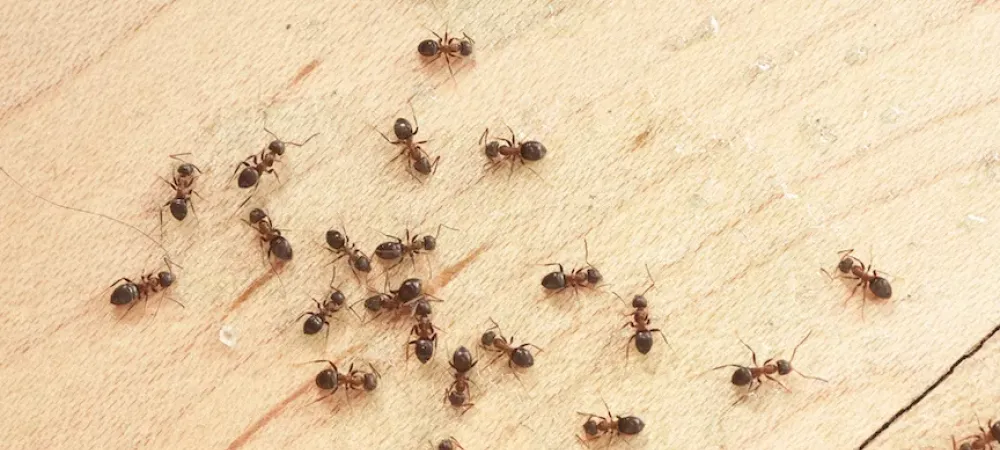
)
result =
(734, 162)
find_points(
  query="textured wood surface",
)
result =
(733, 147)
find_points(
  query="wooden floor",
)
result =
(733, 147)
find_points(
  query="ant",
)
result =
(341, 244)
(510, 150)
(587, 276)
(277, 244)
(408, 147)
(315, 321)
(450, 47)
(426, 333)
(458, 393)
(518, 356)
(183, 185)
(449, 444)
(751, 376)
(149, 284)
(331, 379)
(851, 265)
(596, 425)
(410, 293)
(412, 246)
(982, 440)
(257, 164)
(643, 335)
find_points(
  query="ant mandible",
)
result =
(183, 186)
(752, 376)
(405, 132)
(148, 284)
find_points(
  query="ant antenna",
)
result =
(652, 282)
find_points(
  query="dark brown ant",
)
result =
(277, 244)
(586, 277)
(149, 284)
(341, 244)
(257, 164)
(409, 148)
(851, 265)
(315, 321)
(643, 335)
(412, 246)
(509, 150)
(458, 393)
(752, 376)
(518, 356)
(183, 186)
(426, 340)
(410, 293)
(982, 440)
(332, 379)
(597, 426)
(449, 444)
(450, 47)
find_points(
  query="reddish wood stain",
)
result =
(450, 272)
(304, 72)
(247, 434)
(256, 284)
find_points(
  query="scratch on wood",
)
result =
(256, 284)
(641, 140)
(304, 72)
(452, 271)
(244, 437)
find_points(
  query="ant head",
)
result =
(522, 357)
(488, 337)
(590, 427)
(639, 301)
(371, 381)
(277, 147)
(337, 298)
(327, 379)
(428, 47)
(165, 278)
(402, 129)
(185, 170)
(248, 178)
(422, 308)
(257, 215)
(445, 445)
(423, 165)
(742, 376)
(335, 239)
(594, 276)
(492, 149)
(465, 48)
(533, 151)
(846, 264)
(784, 367)
(430, 242)
(456, 398)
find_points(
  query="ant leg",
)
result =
(122, 279)
(275, 173)
(779, 382)
(244, 163)
(671, 347)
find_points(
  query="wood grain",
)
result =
(733, 156)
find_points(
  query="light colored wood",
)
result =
(733, 161)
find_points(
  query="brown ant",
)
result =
(752, 376)
(983, 440)
(426, 341)
(410, 293)
(643, 335)
(408, 147)
(341, 244)
(851, 265)
(148, 284)
(458, 393)
(586, 276)
(277, 244)
(518, 356)
(412, 246)
(183, 186)
(450, 47)
(449, 444)
(315, 321)
(597, 426)
(332, 379)
(510, 150)
(256, 165)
